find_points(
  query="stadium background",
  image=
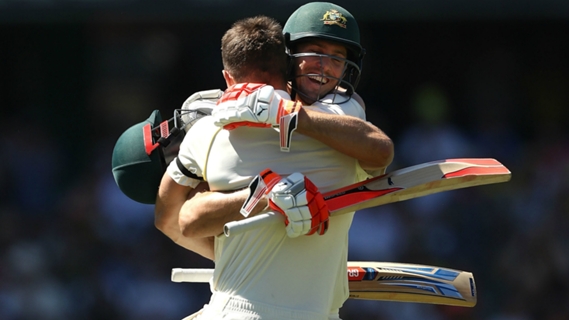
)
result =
(443, 78)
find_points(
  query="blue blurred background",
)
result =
(443, 78)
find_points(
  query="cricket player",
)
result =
(349, 135)
(259, 274)
(250, 266)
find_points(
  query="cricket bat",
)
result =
(411, 283)
(389, 281)
(403, 184)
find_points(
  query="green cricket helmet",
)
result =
(328, 21)
(143, 151)
(139, 159)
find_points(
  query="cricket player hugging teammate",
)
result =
(219, 176)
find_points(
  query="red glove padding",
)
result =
(299, 200)
(252, 105)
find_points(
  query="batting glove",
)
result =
(257, 105)
(252, 104)
(198, 105)
(299, 200)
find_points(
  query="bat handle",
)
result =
(191, 275)
(260, 220)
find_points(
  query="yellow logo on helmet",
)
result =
(334, 17)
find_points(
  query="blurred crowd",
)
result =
(72, 246)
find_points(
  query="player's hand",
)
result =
(212, 95)
(198, 105)
(299, 200)
(254, 105)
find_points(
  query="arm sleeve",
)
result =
(181, 176)
(350, 107)
(185, 169)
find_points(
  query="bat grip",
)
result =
(191, 275)
(264, 219)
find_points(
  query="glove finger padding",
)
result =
(238, 106)
(198, 105)
(257, 105)
(208, 95)
(262, 107)
(299, 200)
(252, 104)
(296, 228)
(317, 204)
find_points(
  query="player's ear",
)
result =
(228, 78)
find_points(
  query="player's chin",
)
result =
(313, 91)
(319, 91)
(311, 97)
(325, 90)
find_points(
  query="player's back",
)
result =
(265, 265)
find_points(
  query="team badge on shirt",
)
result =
(333, 16)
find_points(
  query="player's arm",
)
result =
(169, 202)
(205, 214)
(259, 106)
(295, 197)
(349, 135)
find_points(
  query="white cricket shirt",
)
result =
(265, 265)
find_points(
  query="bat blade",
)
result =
(403, 184)
(389, 281)
(416, 181)
(411, 283)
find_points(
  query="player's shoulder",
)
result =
(341, 104)
(342, 92)
(202, 130)
(359, 100)
(355, 98)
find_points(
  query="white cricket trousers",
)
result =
(226, 307)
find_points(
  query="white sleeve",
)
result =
(185, 169)
(189, 166)
(176, 174)
(350, 107)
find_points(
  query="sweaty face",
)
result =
(319, 66)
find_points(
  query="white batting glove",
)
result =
(209, 95)
(252, 104)
(257, 105)
(299, 200)
(198, 105)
